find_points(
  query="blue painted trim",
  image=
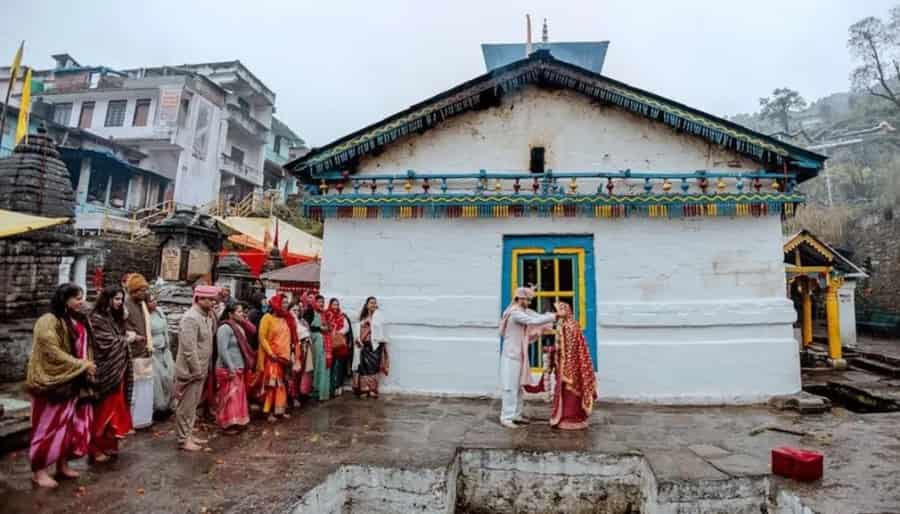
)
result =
(548, 243)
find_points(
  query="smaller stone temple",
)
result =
(232, 272)
(34, 181)
(189, 244)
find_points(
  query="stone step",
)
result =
(875, 366)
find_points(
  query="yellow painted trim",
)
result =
(582, 281)
(808, 269)
(811, 242)
(514, 268)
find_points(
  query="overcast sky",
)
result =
(337, 66)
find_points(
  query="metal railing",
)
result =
(556, 183)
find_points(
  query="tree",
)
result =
(778, 107)
(875, 44)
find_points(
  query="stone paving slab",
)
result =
(269, 467)
(739, 465)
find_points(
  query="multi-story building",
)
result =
(204, 128)
(282, 145)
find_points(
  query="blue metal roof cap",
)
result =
(588, 55)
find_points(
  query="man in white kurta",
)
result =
(519, 327)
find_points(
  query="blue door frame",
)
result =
(578, 248)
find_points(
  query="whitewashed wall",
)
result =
(688, 310)
(577, 136)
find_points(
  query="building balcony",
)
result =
(242, 120)
(240, 170)
(275, 157)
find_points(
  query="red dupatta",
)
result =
(574, 366)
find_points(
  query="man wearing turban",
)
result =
(195, 345)
(138, 319)
(519, 327)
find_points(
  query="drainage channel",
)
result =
(482, 481)
(853, 399)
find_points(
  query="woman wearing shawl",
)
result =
(234, 356)
(341, 344)
(576, 384)
(321, 339)
(301, 381)
(59, 373)
(112, 353)
(163, 363)
(277, 334)
(372, 346)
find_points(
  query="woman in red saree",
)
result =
(112, 354)
(576, 384)
(277, 335)
(60, 374)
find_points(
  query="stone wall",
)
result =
(875, 241)
(118, 256)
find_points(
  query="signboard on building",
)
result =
(169, 98)
(199, 264)
(171, 263)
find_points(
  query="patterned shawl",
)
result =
(575, 368)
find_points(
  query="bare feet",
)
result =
(199, 440)
(64, 471)
(99, 458)
(271, 418)
(286, 416)
(190, 446)
(43, 479)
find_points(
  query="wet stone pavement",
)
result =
(270, 466)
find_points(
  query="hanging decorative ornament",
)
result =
(323, 187)
(609, 185)
(408, 186)
(340, 187)
(517, 186)
(720, 185)
(776, 185)
(757, 184)
(498, 186)
(535, 185)
(704, 183)
(426, 186)
(666, 186)
(373, 186)
(573, 185)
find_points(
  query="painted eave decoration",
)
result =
(541, 68)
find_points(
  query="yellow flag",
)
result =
(24, 108)
(17, 61)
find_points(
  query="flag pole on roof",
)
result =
(13, 74)
(527, 35)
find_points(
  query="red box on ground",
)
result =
(802, 465)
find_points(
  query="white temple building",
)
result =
(659, 223)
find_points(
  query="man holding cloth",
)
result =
(519, 327)
(195, 344)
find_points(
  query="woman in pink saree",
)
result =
(576, 384)
(60, 375)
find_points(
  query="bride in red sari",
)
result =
(576, 385)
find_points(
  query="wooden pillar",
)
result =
(832, 311)
(806, 328)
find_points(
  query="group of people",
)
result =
(95, 376)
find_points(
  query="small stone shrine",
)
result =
(189, 246)
(32, 181)
(232, 272)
